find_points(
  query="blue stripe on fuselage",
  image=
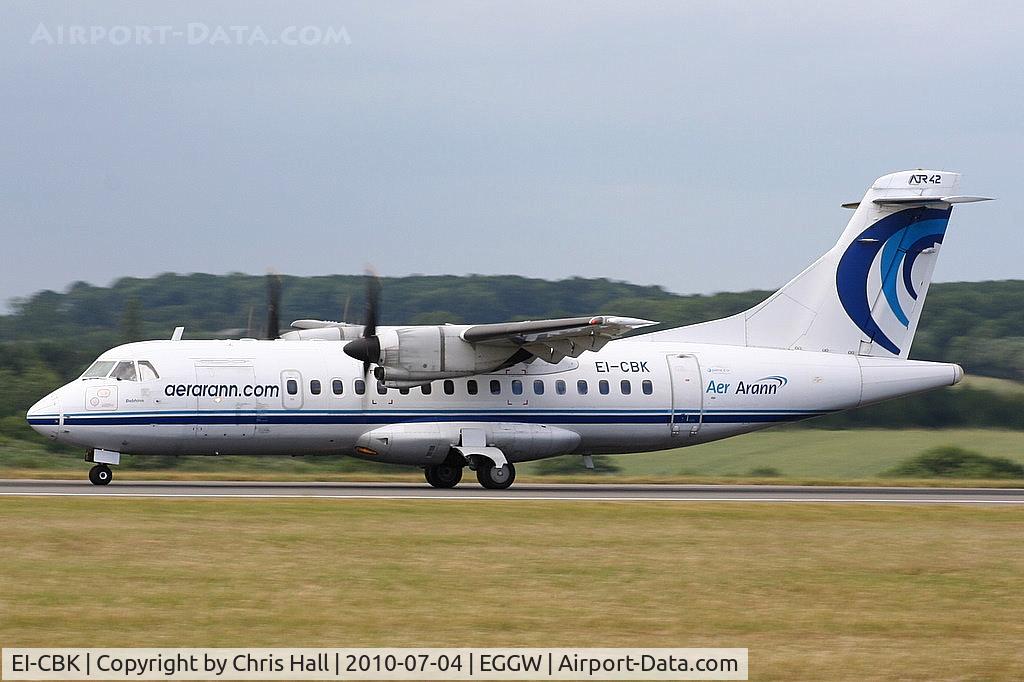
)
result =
(356, 417)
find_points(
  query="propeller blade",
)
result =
(367, 348)
(273, 305)
(372, 303)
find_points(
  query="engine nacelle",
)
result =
(414, 355)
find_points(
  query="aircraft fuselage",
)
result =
(248, 397)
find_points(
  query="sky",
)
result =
(698, 146)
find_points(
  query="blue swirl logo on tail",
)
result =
(900, 237)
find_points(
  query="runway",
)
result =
(519, 492)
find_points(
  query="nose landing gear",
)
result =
(100, 474)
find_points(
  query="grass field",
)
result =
(818, 454)
(814, 591)
(797, 454)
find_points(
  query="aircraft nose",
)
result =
(44, 416)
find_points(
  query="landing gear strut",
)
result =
(100, 474)
(443, 475)
(495, 478)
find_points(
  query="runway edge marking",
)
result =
(494, 498)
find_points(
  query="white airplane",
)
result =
(488, 396)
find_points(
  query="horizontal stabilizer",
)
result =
(921, 200)
(916, 199)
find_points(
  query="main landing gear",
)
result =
(443, 475)
(493, 477)
(100, 474)
(448, 474)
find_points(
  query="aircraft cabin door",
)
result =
(224, 411)
(687, 394)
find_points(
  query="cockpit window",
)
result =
(125, 371)
(147, 372)
(98, 369)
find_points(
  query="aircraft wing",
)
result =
(321, 324)
(553, 340)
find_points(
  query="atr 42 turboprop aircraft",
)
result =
(488, 396)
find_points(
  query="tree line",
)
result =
(50, 337)
(978, 324)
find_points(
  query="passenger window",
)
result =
(647, 387)
(602, 386)
(517, 387)
(146, 371)
(360, 386)
(560, 387)
(581, 387)
(337, 388)
(471, 387)
(314, 386)
(449, 387)
(292, 386)
(538, 386)
(381, 388)
(427, 389)
(495, 387)
(625, 387)
(125, 371)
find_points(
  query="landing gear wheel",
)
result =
(100, 474)
(494, 478)
(443, 475)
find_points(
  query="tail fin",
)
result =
(865, 295)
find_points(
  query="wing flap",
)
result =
(554, 340)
